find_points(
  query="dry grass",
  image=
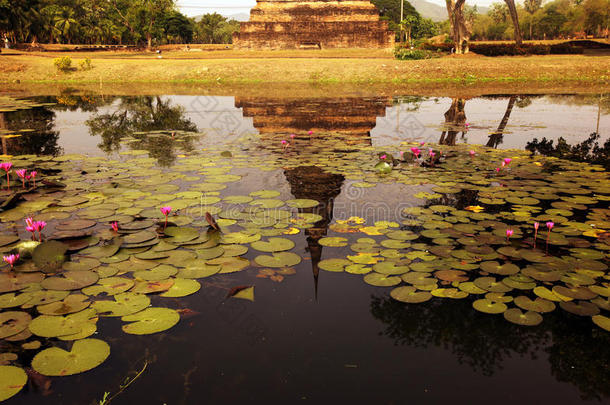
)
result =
(335, 68)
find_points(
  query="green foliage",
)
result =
(216, 29)
(63, 64)
(413, 54)
(86, 64)
(588, 151)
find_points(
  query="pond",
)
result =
(364, 249)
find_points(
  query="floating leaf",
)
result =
(85, 355)
(528, 318)
(150, 320)
(410, 295)
(49, 256)
(281, 259)
(242, 292)
(123, 304)
(12, 380)
(13, 322)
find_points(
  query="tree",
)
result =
(512, 9)
(597, 16)
(65, 23)
(216, 29)
(531, 6)
(178, 27)
(460, 29)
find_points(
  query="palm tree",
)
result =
(65, 22)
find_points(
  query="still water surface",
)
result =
(324, 337)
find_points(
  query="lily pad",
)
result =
(528, 318)
(151, 320)
(123, 304)
(489, 307)
(410, 295)
(50, 256)
(182, 287)
(12, 380)
(70, 280)
(85, 355)
(281, 259)
(13, 322)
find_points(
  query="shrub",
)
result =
(510, 49)
(413, 54)
(86, 64)
(63, 64)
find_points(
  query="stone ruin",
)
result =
(313, 24)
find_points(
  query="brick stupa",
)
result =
(290, 24)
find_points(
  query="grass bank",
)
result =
(143, 68)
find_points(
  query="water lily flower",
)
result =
(33, 175)
(292, 136)
(29, 226)
(39, 226)
(310, 133)
(416, 152)
(536, 226)
(115, 226)
(6, 166)
(503, 163)
(472, 153)
(509, 233)
(10, 260)
(422, 143)
(22, 173)
(165, 211)
(497, 170)
(550, 225)
(383, 157)
(402, 155)
(507, 161)
(432, 154)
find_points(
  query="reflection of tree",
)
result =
(311, 182)
(40, 137)
(455, 120)
(137, 115)
(578, 353)
(497, 137)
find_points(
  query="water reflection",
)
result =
(577, 353)
(152, 123)
(311, 182)
(35, 130)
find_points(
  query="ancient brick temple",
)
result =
(286, 24)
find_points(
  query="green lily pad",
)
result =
(410, 295)
(182, 287)
(12, 300)
(242, 293)
(50, 256)
(489, 307)
(302, 203)
(381, 280)
(496, 268)
(230, 264)
(240, 238)
(109, 286)
(518, 317)
(334, 265)
(123, 304)
(71, 304)
(162, 272)
(13, 322)
(600, 320)
(70, 280)
(85, 355)
(152, 287)
(12, 380)
(198, 269)
(273, 245)
(281, 259)
(150, 320)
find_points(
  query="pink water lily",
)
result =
(383, 157)
(22, 173)
(10, 260)
(115, 226)
(509, 233)
(29, 226)
(292, 136)
(166, 211)
(310, 133)
(416, 152)
(422, 143)
(550, 225)
(472, 153)
(507, 161)
(6, 166)
(39, 226)
(497, 170)
(536, 226)
(33, 175)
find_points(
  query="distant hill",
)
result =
(436, 12)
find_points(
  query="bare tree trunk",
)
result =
(512, 9)
(455, 118)
(3, 125)
(459, 29)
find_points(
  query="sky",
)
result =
(198, 7)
